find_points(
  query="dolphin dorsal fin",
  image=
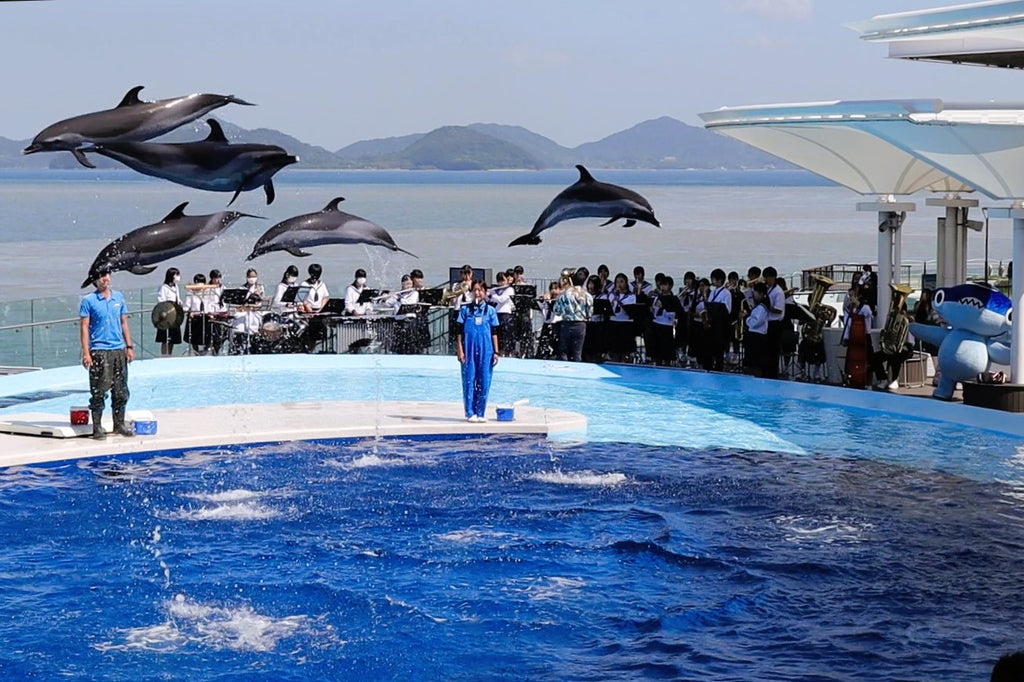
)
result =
(216, 132)
(333, 204)
(585, 175)
(178, 212)
(131, 98)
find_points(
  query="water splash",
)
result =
(583, 478)
(190, 623)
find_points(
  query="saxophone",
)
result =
(894, 333)
(824, 315)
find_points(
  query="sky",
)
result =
(333, 72)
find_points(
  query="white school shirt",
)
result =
(665, 318)
(352, 304)
(168, 292)
(864, 311)
(619, 303)
(501, 299)
(757, 320)
(721, 295)
(777, 300)
(315, 294)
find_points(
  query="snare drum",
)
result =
(272, 330)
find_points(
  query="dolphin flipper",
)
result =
(269, 189)
(999, 353)
(609, 221)
(629, 223)
(297, 252)
(142, 269)
(80, 155)
(525, 239)
(928, 333)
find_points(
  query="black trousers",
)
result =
(109, 372)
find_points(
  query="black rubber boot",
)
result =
(120, 427)
(98, 432)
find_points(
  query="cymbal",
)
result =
(167, 315)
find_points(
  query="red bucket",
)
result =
(79, 415)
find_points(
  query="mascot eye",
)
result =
(940, 296)
(1009, 315)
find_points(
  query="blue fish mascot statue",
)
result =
(980, 318)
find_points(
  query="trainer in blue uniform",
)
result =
(106, 352)
(477, 348)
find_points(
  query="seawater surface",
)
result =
(505, 558)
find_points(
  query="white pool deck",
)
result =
(207, 427)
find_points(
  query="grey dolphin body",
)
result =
(139, 250)
(588, 198)
(130, 121)
(212, 164)
(328, 226)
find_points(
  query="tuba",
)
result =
(894, 333)
(824, 315)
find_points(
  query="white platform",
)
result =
(272, 422)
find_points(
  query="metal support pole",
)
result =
(888, 212)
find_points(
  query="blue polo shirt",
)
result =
(104, 319)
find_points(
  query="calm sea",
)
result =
(53, 224)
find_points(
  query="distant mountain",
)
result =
(668, 143)
(547, 151)
(660, 143)
(367, 149)
(460, 148)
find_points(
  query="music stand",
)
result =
(602, 306)
(291, 293)
(637, 312)
(334, 306)
(799, 312)
(408, 309)
(431, 296)
(671, 303)
(234, 296)
(525, 290)
(367, 295)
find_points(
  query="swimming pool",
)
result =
(705, 527)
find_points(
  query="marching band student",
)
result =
(595, 342)
(604, 277)
(688, 299)
(755, 338)
(314, 297)
(661, 344)
(288, 280)
(776, 312)
(405, 323)
(500, 296)
(640, 287)
(719, 328)
(547, 344)
(622, 330)
(460, 293)
(700, 324)
(253, 287)
(352, 294)
(167, 338)
(214, 306)
(197, 332)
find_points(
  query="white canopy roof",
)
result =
(987, 33)
(891, 146)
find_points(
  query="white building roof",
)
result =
(986, 33)
(891, 146)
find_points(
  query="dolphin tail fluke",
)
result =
(142, 269)
(297, 252)
(269, 189)
(80, 156)
(529, 239)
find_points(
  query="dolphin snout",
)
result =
(32, 148)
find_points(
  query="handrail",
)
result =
(43, 323)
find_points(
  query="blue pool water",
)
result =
(700, 529)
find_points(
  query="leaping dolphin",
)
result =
(329, 226)
(139, 250)
(130, 121)
(212, 164)
(588, 198)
